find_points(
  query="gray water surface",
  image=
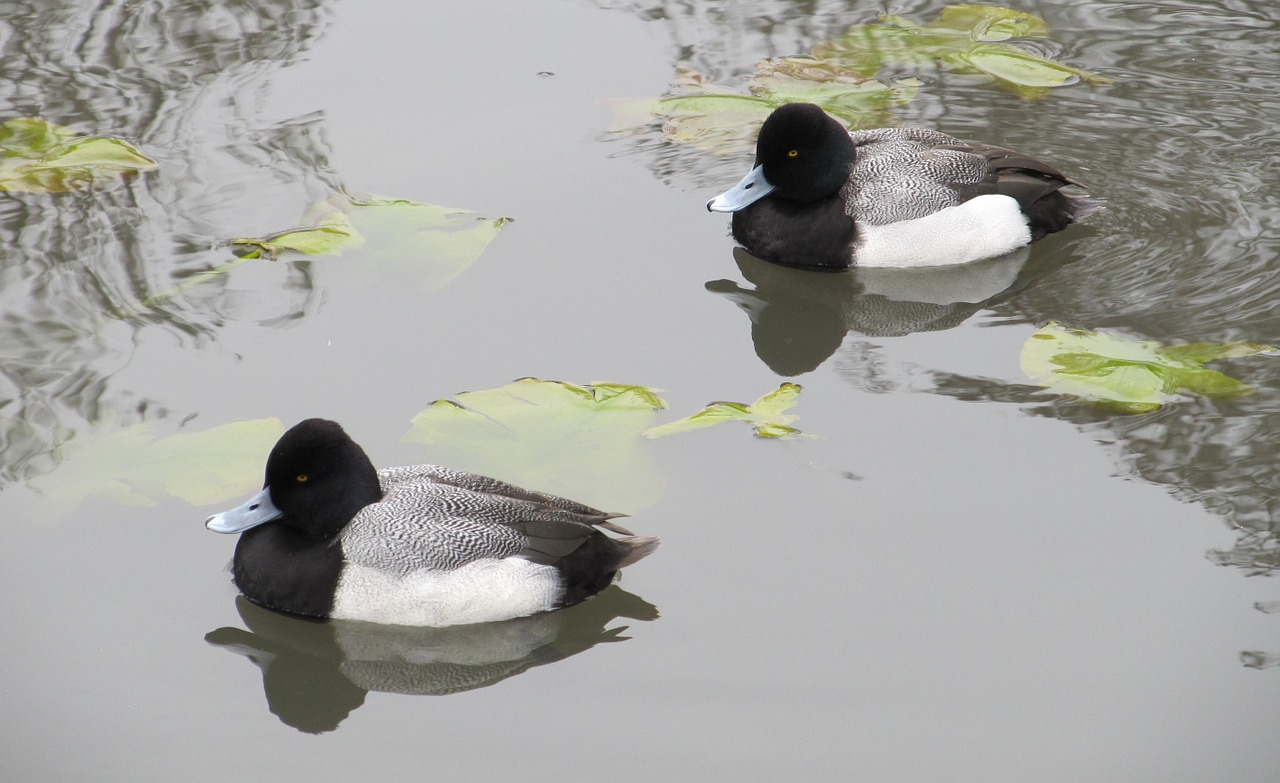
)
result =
(962, 579)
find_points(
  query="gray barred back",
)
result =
(907, 173)
(440, 519)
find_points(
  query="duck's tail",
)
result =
(1084, 205)
(634, 549)
(592, 566)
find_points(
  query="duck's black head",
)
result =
(804, 153)
(319, 478)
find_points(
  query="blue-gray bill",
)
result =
(253, 512)
(749, 190)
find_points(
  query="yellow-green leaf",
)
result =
(37, 156)
(331, 237)
(1131, 376)
(433, 243)
(1020, 68)
(767, 415)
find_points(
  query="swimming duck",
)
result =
(331, 537)
(822, 196)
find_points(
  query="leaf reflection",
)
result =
(81, 276)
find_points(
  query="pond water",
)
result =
(961, 578)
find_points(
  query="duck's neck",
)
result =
(288, 570)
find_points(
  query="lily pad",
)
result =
(768, 415)
(37, 156)
(578, 441)
(1130, 376)
(138, 465)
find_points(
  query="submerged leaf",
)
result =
(1199, 353)
(440, 242)
(31, 137)
(37, 156)
(585, 442)
(967, 39)
(136, 466)
(989, 22)
(767, 415)
(1132, 376)
(578, 441)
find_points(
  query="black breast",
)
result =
(814, 234)
(288, 570)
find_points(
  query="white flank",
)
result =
(479, 592)
(981, 227)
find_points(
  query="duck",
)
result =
(330, 537)
(823, 197)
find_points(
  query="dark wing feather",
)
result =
(1034, 184)
(1023, 178)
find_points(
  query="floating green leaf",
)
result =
(722, 120)
(329, 238)
(840, 75)
(137, 465)
(437, 243)
(578, 441)
(586, 442)
(1132, 376)
(37, 156)
(767, 415)
(1018, 68)
(965, 39)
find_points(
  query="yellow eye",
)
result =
(302, 478)
(793, 153)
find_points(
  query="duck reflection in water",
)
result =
(799, 318)
(315, 673)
